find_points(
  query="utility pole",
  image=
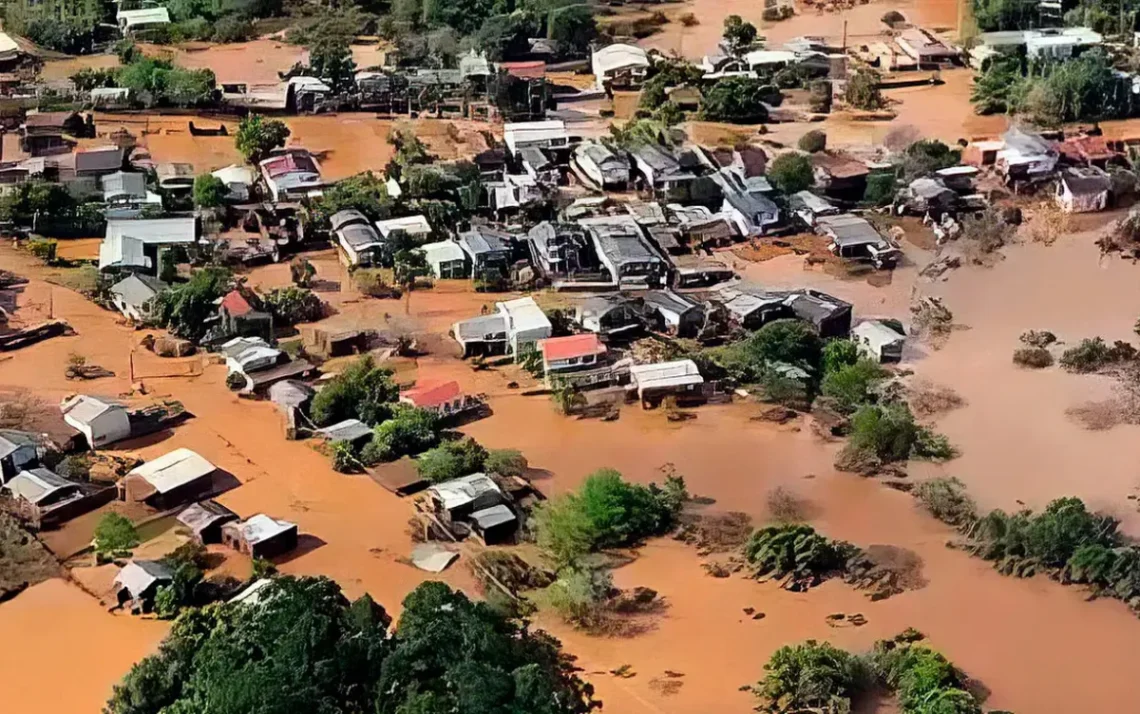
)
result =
(845, 36)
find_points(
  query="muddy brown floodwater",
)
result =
(1037, 646)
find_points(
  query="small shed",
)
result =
(173, 478)
(350, 430)
(138, 581)
(134, 296)
(41, 487)
(670, 313)
(494, 525)
(205, 520)
(18, 450)
(526, 323)
(261, 536)
(102, 422)
(608, 315)
(459, 498)
(1083, 189)
(415, 226)
(879, 340)
(653, 381)
(446, 259)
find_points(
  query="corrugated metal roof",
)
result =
(175, 469)
(36, 485)
(347, 430)
(465, 490)
(666, 374)
(260, 528)
(524, 314)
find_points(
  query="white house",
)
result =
(664, 377)
(292, 174)
(619, 66)
(238, 179)
(134, 296)
(100, 421)
(878, 340)
(548, 134)
(446, 259)
(526, 323)
(415, 226)
(604, 168)
(135, 242)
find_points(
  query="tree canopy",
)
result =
(257, 136)
(739, 34)
(363, 390)
(791, 172)
(736, 99)
(184, 308)
(209, 191)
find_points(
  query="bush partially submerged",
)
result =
(889, 433)
(1032, 357)
(946, 499)
(810, 677)
(798, 553)
(1093, 355)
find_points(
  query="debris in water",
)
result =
(432, 557)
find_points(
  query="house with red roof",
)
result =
(239, 318)
(580, 360)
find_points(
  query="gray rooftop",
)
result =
(136, 290)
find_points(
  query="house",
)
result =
(548, 134)
(18, 450)
(261, 365)
(578, 360)
(126, 195)
(457, 499)
(1025, 156)
(249, 354)
(750, 307)
(878, 340)
(701, 227)
(924, 48)
(538, 165)
(652, 382)
(416, 227)
(101, 422)
(666, 312)
(751, 213)
(239, 180)
(134, 296)
(619, 66)
(205, 520)
(99, 161)
(138, 581)
(1083, 189)
(489, 250)
(483, 335)
(659, 170)
(446, 259)
(132, 21)
(48, 133)
(171, 479)
(43, 499)
(359, 242)
(1086, 151)
(175, 177)
(444, 399)
(238, 318)
(608, 315)
(40, 487)
(855, 238)
(353, 431)
(260, 536)
(291, 174)
(516, 191)
(138, 242)
(1051, 42)
(624, 252)
(829, 316)
(982, 153)
(840, 175)
(958, 178)
(494, 525)
(526, 324)
(699, 271)
(291, 397)
(602, 167)
(561, 249)
(928, 195)
(769, 60)
(809, 207)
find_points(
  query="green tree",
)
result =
(926, 156)
(838, 354)
(851, 385)
(812, 676)
(736, 99)
(409, 265)
(363, 390)
(365, 192)
(451, 459)
(791, 172)
(115, 534)
(573, 27)
(292, 305)
(881, 188)
(302, 272)
(739, 34)
(209, 191)
(506, 462)
(813, 142)
(185, 308)
(331, 60)
(408, 432)
(257, 136)
(863, 90)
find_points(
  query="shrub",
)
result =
(302, 272)
(506, 462)
(579, 595)
(820, 100)
(735, 99)
(889, 433)
(812, 676)
(291, 305)
(114, 535)
(1038, 338)
(784, 506)
(257, 136)
(863, 90)
(796, 550)
(371, 283)
(946, 499)
(813, 141)
(1032, 357)
(791, 173)
(362, 391)
(343, 457)
(838, 354)
(451, 459)
(233, 28)
(1090, 355)
(881, 188)
(43, 248)
(185, 309)
(893, 17)
(209, 191)
(851, 385)
(410, 431)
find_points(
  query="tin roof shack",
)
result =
(291, 175)
(609, 315)
(561, 250)
(126, 194)
(170, 480)
(238, 318)
(494, 525)
(854, 238)
(327, 343)
(926, 49)
(205, 520)
(829, 316)
(455, 503)
(137, 583)
(359, 242)
(601, 167)
(100, 161)
(446, 259)
(134, 296)
(700, 227)
(43, 499)
(483, 335)
(666, 312)
(928, 196)
(101, 422)
(657, 170)
(260, 364)
(292, 397)
(49, 133)
(490, 252)
(1083, 189)
(653, 382)
(526, 324)
(261, 536)
(879, 340)
(619, 66)
(175, 177)
(138, 242)
(840, 175)
(753, 214)
(576, 360)
(18, 450)
(416, 227)
(958, 178)
(1025, 157)
(549, 135)
(631, 261)
(353, 431)
(132, 22)
(750, 307)
(239, 180)
(809, 208)
(445, 399)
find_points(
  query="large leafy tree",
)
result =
(331, 60)
(184, 309)
(736, 99)
(791, 172)
(257, 136)
(363, 391)
(739, 34)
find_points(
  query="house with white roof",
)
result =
(446, 259)
(138, 582)
(173, 478)
(137, 242)
(619, 66)
(416, 226)
(132, 21)
(101, 422)
(652, 381)
(260, 536)
(134, 296)
(548, 134)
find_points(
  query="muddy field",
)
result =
(1016, 444)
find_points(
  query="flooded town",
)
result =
(556, 357)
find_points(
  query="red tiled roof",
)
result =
(525, 70)
(431, 394)
(559, 348)
(288, 164)
(236, 304)
(1087, 148)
